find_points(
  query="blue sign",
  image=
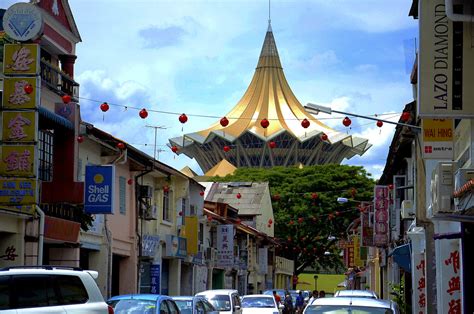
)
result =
(99, 190)
(155, 278)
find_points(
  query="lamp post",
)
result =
(315, 282)
(315, 109)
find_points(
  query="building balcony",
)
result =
(70, 212)
(58, 81)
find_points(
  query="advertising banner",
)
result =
(18, 192)
(14, 95)
(367, 228)
(21, 59)
(419, 290)
(19, 126)
(99, 189)
(175, 246)
(225, 245)
(438, 139)
(449, 282)
(444, 55)
(191, 234)
(155, 273)
(381, 215)
(150, 245)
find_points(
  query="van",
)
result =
(226, 301)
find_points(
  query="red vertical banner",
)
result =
(367, 227)
(381, 215)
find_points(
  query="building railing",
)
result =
(72, 212)
(58, 81)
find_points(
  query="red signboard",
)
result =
(381, 215)
(61, 229)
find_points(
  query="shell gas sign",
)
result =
(99, 190)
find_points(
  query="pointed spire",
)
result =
(269, 54)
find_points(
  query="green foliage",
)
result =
(398, 293)
(302, 219)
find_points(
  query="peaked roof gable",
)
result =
(60, 11)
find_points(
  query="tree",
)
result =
(308, 219)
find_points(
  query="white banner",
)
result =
(263, 260)
(449, 277)
(419, 283)
(225, 245)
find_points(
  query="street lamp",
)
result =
(316, 109)
(315, 282)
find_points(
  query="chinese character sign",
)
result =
(19, 126)
(225, 245)
(18, 160)
(21, 59)
(419, 282)
(15, 96)
(349, 254)
(367, 229)
(381, 215)
(450, 275)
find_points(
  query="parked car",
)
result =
(143, 303)
(356, 294)
(194, 305)
(224, 300)
(342, 305)
(50, 289)
(260, 304)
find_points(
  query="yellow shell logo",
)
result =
(98, 178)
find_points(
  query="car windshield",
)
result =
(135, 306)
(220, 302)
(345, 309)
(258, 302)
(185, 306)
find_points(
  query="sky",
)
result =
(198, 57)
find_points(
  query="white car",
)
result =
(50, 289)
(259, 304)
(356, 294)
(343, 305)
(224, 300)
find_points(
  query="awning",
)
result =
(401, 255)
(56, 118)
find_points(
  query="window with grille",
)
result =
(122, 194)
(166, 206)
(45, 151)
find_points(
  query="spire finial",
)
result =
(269, 13)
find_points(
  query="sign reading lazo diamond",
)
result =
(23, 21)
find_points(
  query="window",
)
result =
(163, 308)
(172, 307)
(201, 233)
(33, 291)
(122, 193)
(192, 210)
(4, 292)
(45, 158)
(71, 290)
(166, 206)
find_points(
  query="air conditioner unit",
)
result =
(442, 186)
(463, 200)
(150, 213)
(407, 209)
(145, 191)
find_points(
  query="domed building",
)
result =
(268, 127)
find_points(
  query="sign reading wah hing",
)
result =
(381, 216)
(225, 245)
(99, 190)
(438, 139)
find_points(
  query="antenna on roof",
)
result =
(269, 14)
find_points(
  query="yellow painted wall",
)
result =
(326, 282)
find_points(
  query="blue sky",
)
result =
(199, 57)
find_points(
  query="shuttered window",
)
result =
(122, 194)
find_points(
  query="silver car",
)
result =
(356, 294)
(342, 305)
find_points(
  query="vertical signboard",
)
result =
(155, 273)
(225, 245)
(381, 215)
(438, 139)
(99, 189)
(367, 228)
(19, 131)
(444, 89)
(449, 277)
(191, 234)
(349, 254)
(419, 279)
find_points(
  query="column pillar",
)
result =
(67, 64)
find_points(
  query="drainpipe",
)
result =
(457, 17)
(42, 216)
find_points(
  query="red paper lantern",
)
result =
(346, 121)
(224, 122)
(120, 145)
(362, 209)
(276, 197)
(305, 123)
(324, 137)
(390, 186)
(238, 220)
(166, 188)
(183, 118)
(379, 124)
(174, 148)
(331, 216)
(289, 239)
(291, 222)
(272, 144)
(80, 139)
(104, 107)
(201, 193)
(300, 220)
(270, 221)
(209, 218)
(314, 196)
(405, 116)
(238, 195)
(143, 113)
(28, 88)
(226, 148)
(337, 213)
(130, 181)
(264, 123)
(180, 213)
(66, 99)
